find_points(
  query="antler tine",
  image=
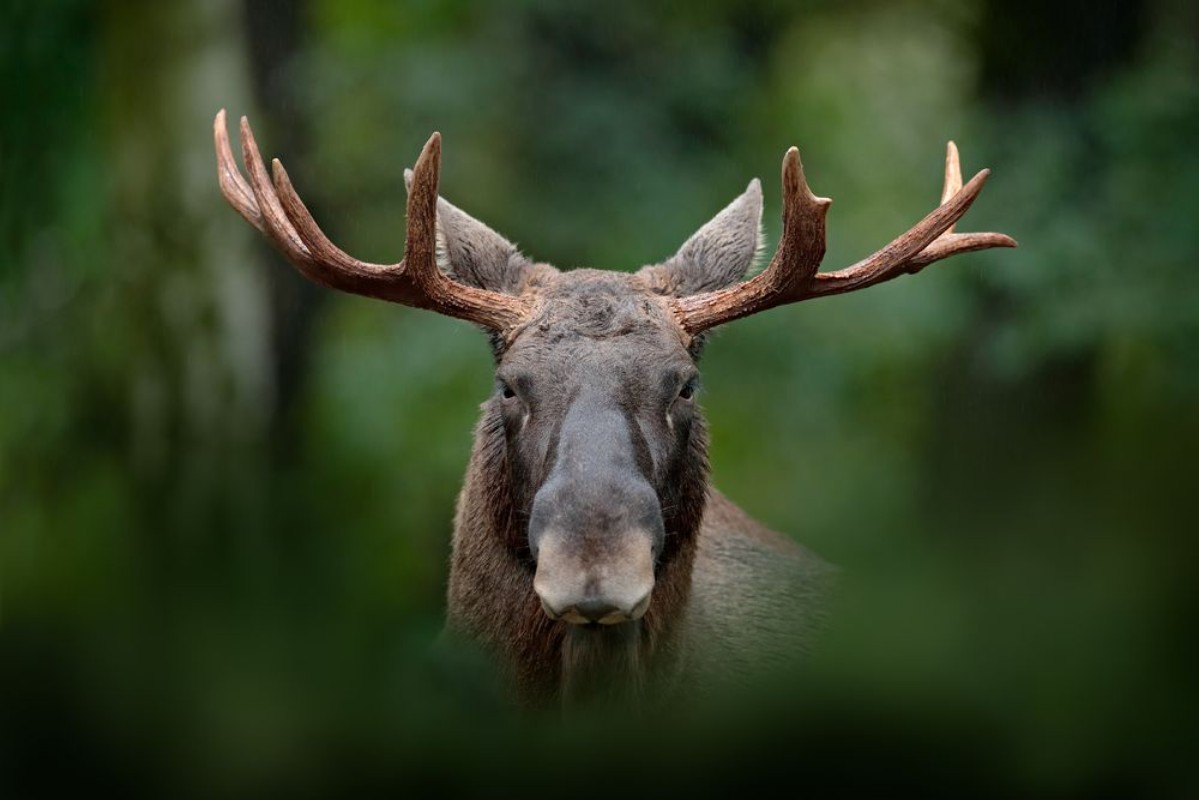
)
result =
(953, 174)
(950, 243)
(276, 224)
(420, 251)
(233, 186)
(801, 246)
(791, 270)
(891, 260)
(928, 241)
(792, 276)
(274, 207)
(429, 286)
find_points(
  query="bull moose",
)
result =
(591, 555)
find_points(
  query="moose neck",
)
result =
(492, 601)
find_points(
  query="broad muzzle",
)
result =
(586, 583)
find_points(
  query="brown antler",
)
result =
(792, 274)
(277, 211)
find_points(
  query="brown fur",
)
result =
(729, 595)
(736, 598)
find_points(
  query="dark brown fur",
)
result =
(491, 597)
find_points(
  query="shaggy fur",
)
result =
(730, 597)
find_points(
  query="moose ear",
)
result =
(718, 254)
(472, 253)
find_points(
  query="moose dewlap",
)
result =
(591, 555)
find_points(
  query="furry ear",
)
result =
(718, 254)
(472, 253)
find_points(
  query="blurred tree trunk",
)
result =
(277, 34)
(218, 337)
(198, 313)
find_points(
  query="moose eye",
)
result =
(506, 391)
(688, 391)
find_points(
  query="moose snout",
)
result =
(581, 590)
(595, 525)
(594, 611)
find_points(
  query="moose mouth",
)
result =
(596, 615)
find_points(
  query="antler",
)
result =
(792, 274)
(278, 212)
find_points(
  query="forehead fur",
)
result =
(597, 304)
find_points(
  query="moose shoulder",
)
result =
(591, 555)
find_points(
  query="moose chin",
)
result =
(592, 557)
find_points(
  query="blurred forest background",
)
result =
(226, 495)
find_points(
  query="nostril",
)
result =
(596, 610)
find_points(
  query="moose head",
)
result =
(589, 548)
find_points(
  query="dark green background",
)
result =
(225, 495)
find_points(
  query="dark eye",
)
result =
(506, 391)
(688, 391)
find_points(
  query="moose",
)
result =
(591, 556)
